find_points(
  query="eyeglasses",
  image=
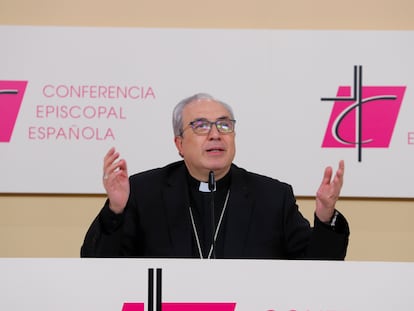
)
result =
(203, 126)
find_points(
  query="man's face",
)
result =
(204, 153)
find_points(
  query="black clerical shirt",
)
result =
(201, 210)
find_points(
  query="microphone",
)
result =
(212, 187)
(211, 181)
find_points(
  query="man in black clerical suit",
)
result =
(169, 211)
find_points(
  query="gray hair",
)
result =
(177, 118)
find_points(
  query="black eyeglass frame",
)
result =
(210, 123)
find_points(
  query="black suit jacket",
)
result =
(262, 221)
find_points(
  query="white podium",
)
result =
(203, 285)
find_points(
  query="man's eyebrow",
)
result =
(224, 118)
(219, 118)
(199, 119)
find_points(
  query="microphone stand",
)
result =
(211, 187)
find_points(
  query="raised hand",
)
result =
(115, 181)
(328, 192)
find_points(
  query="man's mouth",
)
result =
(215, 149)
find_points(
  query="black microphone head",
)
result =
(211, 181)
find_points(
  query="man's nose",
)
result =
(214, 133)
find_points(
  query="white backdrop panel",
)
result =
(273, 79)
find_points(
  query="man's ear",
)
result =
(178, 140)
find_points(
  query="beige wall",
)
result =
(54, 225)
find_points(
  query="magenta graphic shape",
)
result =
(184, 306)
(133, 306)
(379, 111)
(200, 306)
(11, 97)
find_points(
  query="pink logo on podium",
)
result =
(183, 306)
(363, 116)
(11, 97)
(156, 304)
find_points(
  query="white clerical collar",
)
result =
(204, 187)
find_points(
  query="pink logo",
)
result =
(183, 306)
(363, 116)
(11, 97)
(157, 304)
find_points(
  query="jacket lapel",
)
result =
(176, 204)
(239, 214)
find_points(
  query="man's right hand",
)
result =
(116, 181)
